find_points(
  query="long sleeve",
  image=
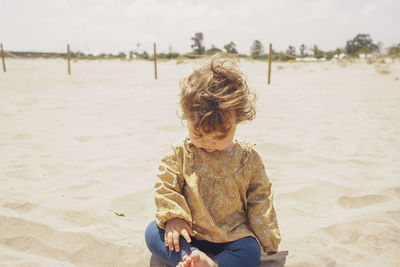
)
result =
(169, 199)
(260, 209)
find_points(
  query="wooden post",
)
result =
(269, 63)
(2, 57)
(69, 60)
(155, 62)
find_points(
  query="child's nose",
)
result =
(208, 141)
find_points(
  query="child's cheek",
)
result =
(196, 143)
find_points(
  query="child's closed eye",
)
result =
(196, 136)
(220, 137)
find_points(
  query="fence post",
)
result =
(2, 58)
(269, 63)
(69, 60)
(155, 62)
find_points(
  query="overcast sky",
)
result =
(120, 25)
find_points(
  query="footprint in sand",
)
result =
(361, 201)
(20, 206)
(142, 199)
(395, 191)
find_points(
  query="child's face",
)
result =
(212, 141)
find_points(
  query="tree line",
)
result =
(360, 44)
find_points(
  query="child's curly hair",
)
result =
(214, 94)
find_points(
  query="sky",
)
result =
(112, 26)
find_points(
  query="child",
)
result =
(212, 194)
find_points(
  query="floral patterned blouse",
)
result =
(223, 195)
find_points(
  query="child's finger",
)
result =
(186, 236)
(189, 230)
(170, 244)
(176, 241)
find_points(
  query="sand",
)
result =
(78, 157)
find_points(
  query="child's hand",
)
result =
(173, 229)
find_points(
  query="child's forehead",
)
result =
(202, 132)
(192, 127)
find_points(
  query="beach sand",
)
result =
(79, 153)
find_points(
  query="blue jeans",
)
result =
(242, 252)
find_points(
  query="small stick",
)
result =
(69, 60)
(2, 57)
(269, 63)
(155, 62)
